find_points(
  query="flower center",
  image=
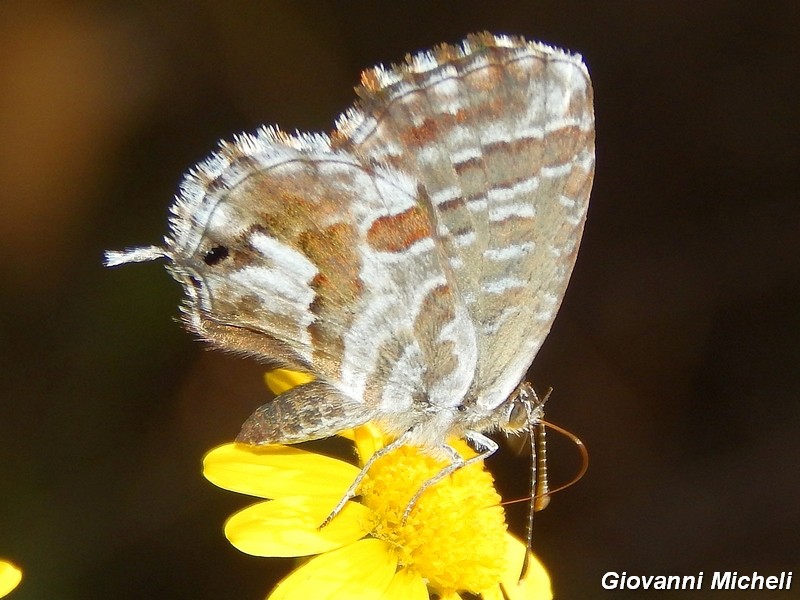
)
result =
(454, 536)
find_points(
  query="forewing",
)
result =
(500, 132)
(305, 255)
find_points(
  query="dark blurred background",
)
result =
(675, 355)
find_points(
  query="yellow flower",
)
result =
(10, 576)
(454, 540)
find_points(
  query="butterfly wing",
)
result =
(414, 261)
(500, 132)
(306, 257)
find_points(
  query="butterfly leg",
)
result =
(483, 445)
(351, 491)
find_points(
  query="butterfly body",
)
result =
(413, 260)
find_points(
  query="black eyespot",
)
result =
(215, 255)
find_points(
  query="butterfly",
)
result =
(412, 261)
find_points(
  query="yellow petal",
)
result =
(406, 585)
(536, 583)
(361, 570)
(10, 576)
(281, 380)
(277, 471)
(347, 434)
(368, 439)
(290, 526)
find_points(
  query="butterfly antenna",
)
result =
(540, 495)
(584, 452)
(112, 258)
(540, 505)
(540, 488)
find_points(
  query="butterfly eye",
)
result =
(517, 415)
(215, 255)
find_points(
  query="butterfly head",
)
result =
(521, 410)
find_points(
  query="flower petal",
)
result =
(290, 526)
(363, 569)
(406, 585)
(282, 380)
(535, 585)
(368, 439)
(10, 576)
(277, 471)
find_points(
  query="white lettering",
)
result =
(610, 580)
(757, 580)
(632, 582)
(622, 581)
(731, 580)
(722, 581)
